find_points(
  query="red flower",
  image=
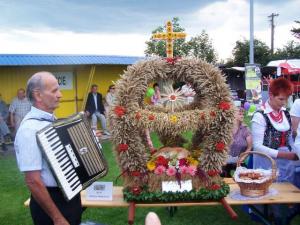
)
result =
(224, 105)
(136, 190)
(160, 160)
(151, 117)
(173, 97)
(138, 115)
(153, 151)
(119, 111)
(172, 60)
(202, 116)
(212, 113)
(123, 147)
(183, 162)
(135, 173)
(215, 187)
(220, 146)
(212, 173)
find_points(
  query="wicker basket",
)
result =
(256, 189)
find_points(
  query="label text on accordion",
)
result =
(72, 155)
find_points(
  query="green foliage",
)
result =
(262, 53)
(241, 53)
(191, 196)
(296, 31)
(290, 51)
(199, 46)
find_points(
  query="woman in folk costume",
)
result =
(271, 132)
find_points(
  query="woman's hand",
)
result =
(287, 155)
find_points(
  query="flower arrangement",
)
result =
(211, 112)
(171, 166)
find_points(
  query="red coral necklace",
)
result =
(277, 118)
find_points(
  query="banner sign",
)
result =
(65, 80)
(252, 75)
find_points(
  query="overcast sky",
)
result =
(121, 27)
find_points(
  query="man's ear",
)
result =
(37, 96)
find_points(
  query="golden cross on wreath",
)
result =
(169, 36)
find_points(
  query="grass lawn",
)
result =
(14, 193)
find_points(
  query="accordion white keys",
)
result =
(73, 152)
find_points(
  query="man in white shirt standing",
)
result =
(19, 107)
(47, 205)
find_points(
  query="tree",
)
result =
(290, 51)
(199, 46)
(296, 31)
(241, 52)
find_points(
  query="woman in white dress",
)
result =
(110, 97)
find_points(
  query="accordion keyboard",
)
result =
(61, 163)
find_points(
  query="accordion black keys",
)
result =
(73, 152)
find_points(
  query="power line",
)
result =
(272, 30)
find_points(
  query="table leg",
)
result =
(284, 209)
(263, 216)
(172, 210)
(228, 208)
(131, 213)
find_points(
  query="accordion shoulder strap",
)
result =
(40, 119)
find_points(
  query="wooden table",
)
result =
(287, 194)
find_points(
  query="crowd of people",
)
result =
(11, 115)
(274, 132)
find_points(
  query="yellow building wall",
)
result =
(13, 78)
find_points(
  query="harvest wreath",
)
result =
(210, 117)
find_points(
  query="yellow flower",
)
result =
(173, 119)
(194, 162)
(189, 159)
(151, 166)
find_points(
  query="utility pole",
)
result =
(272, 30)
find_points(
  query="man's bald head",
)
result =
(37, 82)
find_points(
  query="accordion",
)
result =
(73, 152)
